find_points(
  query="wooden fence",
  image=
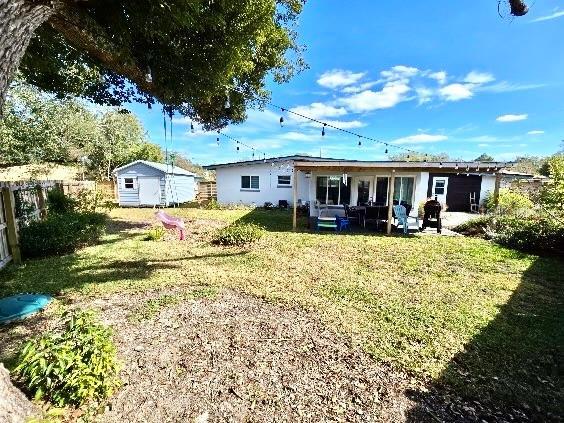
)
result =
(21, 202)
(207, 190)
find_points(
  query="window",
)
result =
(331, 190)
(284, 181)
(439, 187)
(128, 183)
(403, 190)
(250, 182)
(363, 192)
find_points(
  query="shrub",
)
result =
(474, 227)
(238, 234)
(61, 233)
(58, 202)
(510, 202)
(156, 233)
(71, 367)
(212, 205)
(536, 233)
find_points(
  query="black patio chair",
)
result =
(283, 204)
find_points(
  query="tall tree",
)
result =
(484, 158)
(207, 59)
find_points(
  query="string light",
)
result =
(440, 164)
(148, 76)
(192, 127)
(456, 166)
(323, 130)
(281, 121)
(359, 143)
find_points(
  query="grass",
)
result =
(463, 312)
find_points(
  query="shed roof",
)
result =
(167, 169)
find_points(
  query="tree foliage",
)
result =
(40, 128)
(552, 193)
(420, 157)
(531, 164)
(189, 55)
(484, 158)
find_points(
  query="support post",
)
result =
(11, 224)
(41, 201)
(295, 206)
(390, 201)
(496, 191)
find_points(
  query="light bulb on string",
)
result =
(281, 121)
(148, 76)
(323, 130)
(192, 127)
(217, 140)
(440, 165)
(456, 166)
(359, 143)
(386, 151)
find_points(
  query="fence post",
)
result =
(41, 201)
(11, 224)
(496, 191)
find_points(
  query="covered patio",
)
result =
(374, 187)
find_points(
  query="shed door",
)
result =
(149, 191)
(440, 185)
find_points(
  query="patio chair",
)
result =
(353, 214)
(283, 204)
(403, 218)
(342, 223)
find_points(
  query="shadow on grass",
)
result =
(276, 220)
(515, 365)
(72, 272)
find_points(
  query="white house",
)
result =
(323, 182)
(145, 183)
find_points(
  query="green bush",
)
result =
(510, 203)
(58, 202)
(156, 233)
(238, 234)
(474, 227)
(72, 367)
(534, 234)
(212, 204)
(61, 233)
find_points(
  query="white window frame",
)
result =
(250, 188)
(284, 185)
(132, 188)
(412, 200)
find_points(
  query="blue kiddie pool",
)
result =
(21, 305)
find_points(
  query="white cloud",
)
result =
(554, 15)
(512, 118)
(455, 92)
(358, 88)
(399, 72)
(440, 77)
(536, 132)
(391, 94)
(479, 78)
(420, 139)
(504, 87)
(345, 124)
(339, 78)
(424, 95)
(318, 111)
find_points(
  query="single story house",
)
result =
(324, 182)
(145, 183)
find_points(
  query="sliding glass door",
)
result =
(403, 189)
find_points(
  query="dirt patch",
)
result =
(238, 358)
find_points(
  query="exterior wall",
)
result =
(229, 190)
(421, 184)
(179, 189)
(487, 187)
(130, 197)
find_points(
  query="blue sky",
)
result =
(439, 76)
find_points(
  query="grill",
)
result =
(432, 215)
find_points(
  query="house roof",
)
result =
(312, 163)
(271, 160)
(167, 169)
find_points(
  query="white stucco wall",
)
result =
(487, 186)
(229, 190)
(421, 185)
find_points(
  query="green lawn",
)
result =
(483, 319)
